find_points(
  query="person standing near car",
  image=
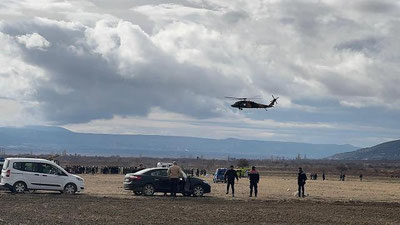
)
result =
(230, 176)
(174, 172)
(301, 181)
(254, 178)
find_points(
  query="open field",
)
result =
(373, 201)
(374, 189)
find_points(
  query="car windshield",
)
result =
(221, 172)
(141, 172)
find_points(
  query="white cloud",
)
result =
(33, 41)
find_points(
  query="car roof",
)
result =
(28, 159)
(150, 169)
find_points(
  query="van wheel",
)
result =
(148, 189)
(70, 189)
(198, 191)
(20, 187)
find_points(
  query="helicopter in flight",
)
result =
(245, 103)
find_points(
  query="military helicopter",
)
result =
(245, 103)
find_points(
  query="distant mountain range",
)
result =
(385, 151)
(43, 139)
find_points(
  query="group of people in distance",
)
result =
(175, 171)
(231, 175)
(254, 178)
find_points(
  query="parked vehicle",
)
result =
(1, 167)
(219, 175)
(162, 164)
(22, 174)
(152, 180)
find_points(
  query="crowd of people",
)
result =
(76, 169)
(174, 172)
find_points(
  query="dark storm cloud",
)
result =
(368, 45)
(374, 6)
(86, 86)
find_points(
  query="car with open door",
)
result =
(152, 180)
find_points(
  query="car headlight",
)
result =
(80, 179)
(205, 181)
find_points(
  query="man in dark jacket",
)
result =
(230, 176)
(254, 177)
(301, 181)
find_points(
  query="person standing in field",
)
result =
(230, 176)
(361, 177)
(174, 172)
(254, 178)
(301, 181)
(323, 175)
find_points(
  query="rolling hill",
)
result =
(42, 139)
(385, 151)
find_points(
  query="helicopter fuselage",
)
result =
(248, 104)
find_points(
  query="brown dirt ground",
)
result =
(373, 201)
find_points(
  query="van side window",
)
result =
(18, 165)
(31, 167)
(26, 166)
(49, 169)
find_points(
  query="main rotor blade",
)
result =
(239, 98)
(236, 98)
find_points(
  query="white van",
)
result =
(22, 174)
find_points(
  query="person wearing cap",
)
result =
(254, 178)
(301, 181)
(174, 172)
(230, 176)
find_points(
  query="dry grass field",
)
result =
(373, 201)
(376, 189)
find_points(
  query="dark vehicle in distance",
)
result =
(152, 180)
(219, 175)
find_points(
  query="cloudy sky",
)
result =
(164, 67)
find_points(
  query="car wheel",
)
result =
(20, 187)
(148, 189)
(70, 189)
(198, 191)
(137, 193)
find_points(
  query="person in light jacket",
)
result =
(174, 172)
